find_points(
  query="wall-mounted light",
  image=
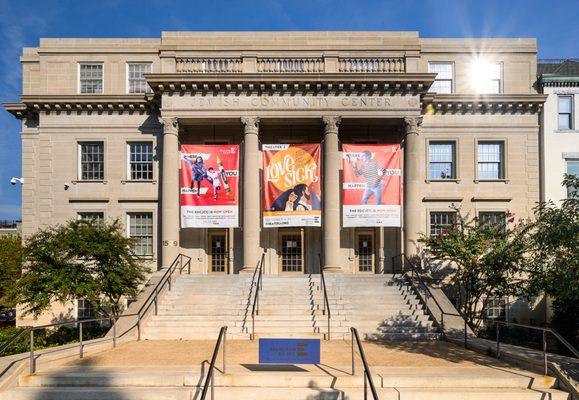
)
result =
(14, 181)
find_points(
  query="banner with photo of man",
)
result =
(291, 185)
(371, 185)
(209, 186)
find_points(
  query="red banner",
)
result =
(209, 186)
(371, 185)
(291, 185)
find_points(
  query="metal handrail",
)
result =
(258, 284)
(416, 274)
(367, 372)
(209, 377)
(545, 330)
(151, 299)
(326, 301)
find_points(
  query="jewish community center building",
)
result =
(331, 150)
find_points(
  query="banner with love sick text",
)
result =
(209, 186)
(291, 185)
(371, 185)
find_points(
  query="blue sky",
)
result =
(554, 23)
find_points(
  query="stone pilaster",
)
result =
(251, 194)
(170, 191)
(331, 195)
(412, 198)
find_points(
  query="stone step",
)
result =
(97, 393)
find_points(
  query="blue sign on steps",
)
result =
(289, 351)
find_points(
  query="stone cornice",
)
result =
(482, 103)
(77, 103)
(414, 83)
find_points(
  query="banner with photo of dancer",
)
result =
(371, 185)
(209, 186)
(291, 185)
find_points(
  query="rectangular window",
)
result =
(84, 309)
(490, 161)
(572, 169)
(141, 229)
(441, 159)
(440, 221)
(136, 77)
(90, 78)
(494, 218)
(496, 308)
(565, 110)
(443, 82)
(88, 216)
(494, 78)
(141, 161)
(92, 161)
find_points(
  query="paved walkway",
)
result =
(333, 353)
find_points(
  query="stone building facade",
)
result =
(465, 112)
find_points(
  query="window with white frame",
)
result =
(96, 216)
(572, 169)
(490, 163)
(494, 84)
(565, 112)
(140, 228)
(496, 308)
(141, 161)
(91, 161)
(493, 218)
(440, 221)
(136, 82)
(441, 160)
(90, 78)
(443, 83)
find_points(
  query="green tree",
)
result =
(10, 267)
(484, 260)
(553, 267)
(80, 260)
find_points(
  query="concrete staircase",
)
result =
(290, 306)
(379, 306)
(198, 305)
(307, 383)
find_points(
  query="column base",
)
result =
(247, 269)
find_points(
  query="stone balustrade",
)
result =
(373, 64)
(290, 65)
(209, 65)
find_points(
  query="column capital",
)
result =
(250, 125)
(412, 125)
(331, 124)
(170, 125)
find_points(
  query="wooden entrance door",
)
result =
(291, 251)
(365, 251)
(218, 251)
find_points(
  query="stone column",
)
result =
(251, 194)
(331, 195)
(170, 191)
(412, 200)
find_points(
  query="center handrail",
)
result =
(210, 371)
(367, 372)
(258, 285)
(326, 300)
